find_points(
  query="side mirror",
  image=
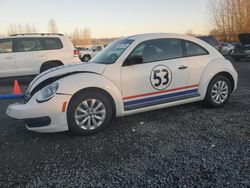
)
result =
(134, 60)
(94, 50)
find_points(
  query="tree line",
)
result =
(229, 18)
(79, 37)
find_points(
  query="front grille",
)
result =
(27, 97)
(37, 122)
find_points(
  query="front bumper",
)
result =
(43, 117)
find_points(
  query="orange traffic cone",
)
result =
(16, 89)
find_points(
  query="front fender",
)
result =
(74, 83)
(213, 68)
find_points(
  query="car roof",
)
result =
(31, 35)
(151, 36)
(156, 35)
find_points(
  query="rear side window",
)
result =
(52, 43)
(5, 46)
(98, 48)
(158, 49)
(28, 45)
(192, 49)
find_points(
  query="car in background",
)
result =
(31, 54)
(226, 48)
(86, 55)
(242, 51)
(212, 41)
(236, 44)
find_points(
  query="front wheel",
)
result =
(88, 113)
(218, 92)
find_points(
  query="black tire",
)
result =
(74, 104)
(208, 101)
(47, 66)
(86, 58)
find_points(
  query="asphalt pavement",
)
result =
(183, 146)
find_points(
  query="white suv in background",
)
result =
(31, 54)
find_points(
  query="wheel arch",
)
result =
(58, 62)
(203, 89)
(85, 81)
(228, 76)
(215, 68)
(99, 90)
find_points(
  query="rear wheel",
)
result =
(88, 113)
(218, 92)
(86, 58)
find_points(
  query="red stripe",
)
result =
(158, 92)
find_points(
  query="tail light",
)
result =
(76, 53)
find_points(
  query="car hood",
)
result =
(62, 71)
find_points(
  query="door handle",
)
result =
(9, 57)
(182, 67)
(40, 56)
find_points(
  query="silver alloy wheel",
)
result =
(90, 114)
(220, 92)
(86, 59)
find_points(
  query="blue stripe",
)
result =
(161, 97)
(11, 96)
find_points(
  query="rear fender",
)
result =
(213, 68)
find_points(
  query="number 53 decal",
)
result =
(160, 77)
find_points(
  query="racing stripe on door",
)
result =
(160, 97)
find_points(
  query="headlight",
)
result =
(47, 93)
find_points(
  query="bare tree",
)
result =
(76, 37)
(229, 18)
(86, 37)
(190, 32)
(81, 37)
(52, 26)
(19, 28)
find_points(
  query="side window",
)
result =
(5, 46)
(39, 44)
(26, 45)
(158, 50)
(193, 49)
(99, 48)
(52, 43)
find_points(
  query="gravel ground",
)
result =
(184, 146)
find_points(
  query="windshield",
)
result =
(112, 52)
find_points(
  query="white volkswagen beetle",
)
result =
(132, 75)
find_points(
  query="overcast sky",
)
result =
(108, 18)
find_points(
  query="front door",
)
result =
(161, 77)
(8, 66)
